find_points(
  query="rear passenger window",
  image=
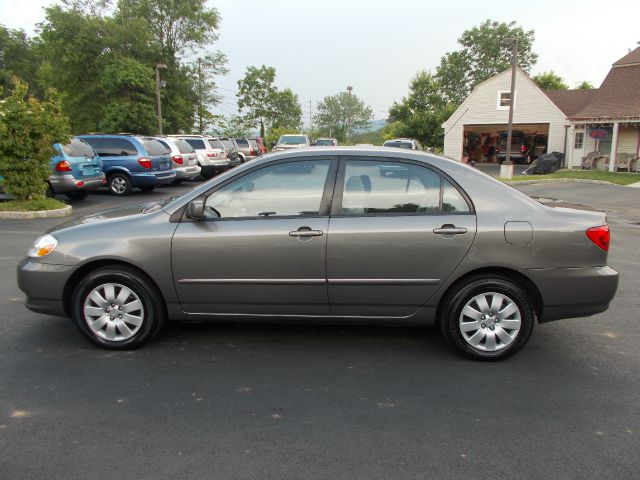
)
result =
(112, 147)
(196, 143)
(155, 148)
(381, 187)
(183, 146)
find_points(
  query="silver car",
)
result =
(338, 234)
(184, 160)
(290, 141)
(211, 160)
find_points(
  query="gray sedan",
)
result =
(357, 235)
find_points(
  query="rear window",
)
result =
(215, 143)
(196, 143)
(78, 148)
(228, 144)
(112, 147)
(292, 140)
(183, 146)
(408, 145)
(154, 148)
(324, 142)
(242, 142)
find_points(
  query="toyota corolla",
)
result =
(352, 235)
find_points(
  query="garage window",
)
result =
(578, 141)
(504, 99)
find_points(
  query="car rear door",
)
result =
(265, 254)
(397, 231)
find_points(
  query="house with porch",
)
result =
(589, 127)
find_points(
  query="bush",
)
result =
(28, 130)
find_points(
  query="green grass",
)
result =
(618, 178)
(31, 205)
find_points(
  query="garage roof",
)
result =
(571, 101)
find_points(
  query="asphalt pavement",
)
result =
(304, 402)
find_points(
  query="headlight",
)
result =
(43, 246)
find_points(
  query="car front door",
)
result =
(261, 251)
(398, 229)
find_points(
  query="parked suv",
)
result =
(130, 162)
(325, 142)
(229, 162)
(183, 158)
(287, 142)
(408, 143)
(234, 153)
(245, 148)
(520, 148)
(75, 170)
(211, 160)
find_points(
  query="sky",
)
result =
(318, 48)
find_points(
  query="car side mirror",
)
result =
(195, 209)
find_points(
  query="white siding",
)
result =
(480, 108)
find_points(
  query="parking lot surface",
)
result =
(271, 401)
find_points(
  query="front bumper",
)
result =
(44, 284)
(68, 183)
(574, 292)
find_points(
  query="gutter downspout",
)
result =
(564, 158)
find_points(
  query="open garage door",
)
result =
(488, 143)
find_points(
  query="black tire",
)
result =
(147, 189)
(154, 313)
(456, 300)
(177, 181)
(119, 184)
(77, 195)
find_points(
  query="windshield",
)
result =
(324, 142)
(292, 140)
(77, 148)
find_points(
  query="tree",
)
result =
(342, 114)
(205, 70)
(17, 57)
(483, 54)
(28, 130)
(550, 81)
(421, 114)
(234, 126)
(287, 112)
(129, 87)
(255, 94)
(585, 85)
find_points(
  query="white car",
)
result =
(289, 141)
(210, 160)
(184, 160)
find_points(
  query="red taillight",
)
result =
(178, 159)
(145, 162)
(63, 166)
(600, 236)
(210, 154)
(523, 148)
(252, 152)
(80, 183)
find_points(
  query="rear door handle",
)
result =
(306, 232)
(449, 229)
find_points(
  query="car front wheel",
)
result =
(117, 308)
(487, 318)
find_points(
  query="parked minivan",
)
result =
(210, 159)
(131, 162)
(183, 158)
(75, 170)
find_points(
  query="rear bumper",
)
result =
(152, 179)
(68, 183)
(185, 173)
(43, 284)
(574, 292)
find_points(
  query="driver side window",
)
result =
(285, 189)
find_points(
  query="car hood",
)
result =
(110, 214)
(290, 147)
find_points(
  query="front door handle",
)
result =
(306, 232)
(448, 229)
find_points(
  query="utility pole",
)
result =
(348, 132)
(200, 125)
(158, 67)
(310, 117)
(506, 169)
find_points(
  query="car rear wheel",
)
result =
(77, 195)
(487, 318)
(117, 308)
(120, 184)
